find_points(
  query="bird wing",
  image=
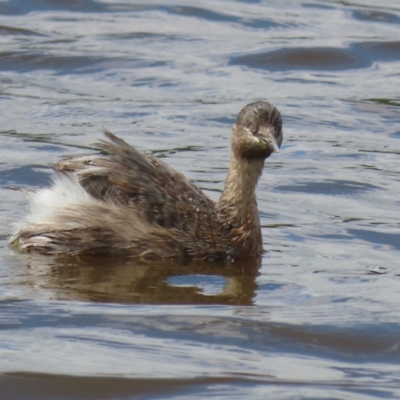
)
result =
(123, 175)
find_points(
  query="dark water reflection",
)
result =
(358, 55)
(317, 316)
(27, 6)
(39, 386)
(329, 187)
(376, 16)
(26, 62)
(301, 58)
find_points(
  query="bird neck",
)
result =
(241, 181)
(237, 207)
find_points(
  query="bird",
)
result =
(120, 201)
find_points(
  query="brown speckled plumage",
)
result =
(135, 204)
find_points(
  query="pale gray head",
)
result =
(257, 131)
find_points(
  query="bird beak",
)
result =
(267, 136)
(274, 144)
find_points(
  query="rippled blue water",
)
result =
(319, 318)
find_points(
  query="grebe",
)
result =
(126, 202)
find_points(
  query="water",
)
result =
(319, 317)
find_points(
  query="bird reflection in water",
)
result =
(132, 281)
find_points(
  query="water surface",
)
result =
(318, 316)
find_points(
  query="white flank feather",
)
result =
(65, 191)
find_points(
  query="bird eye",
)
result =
(253, 128)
